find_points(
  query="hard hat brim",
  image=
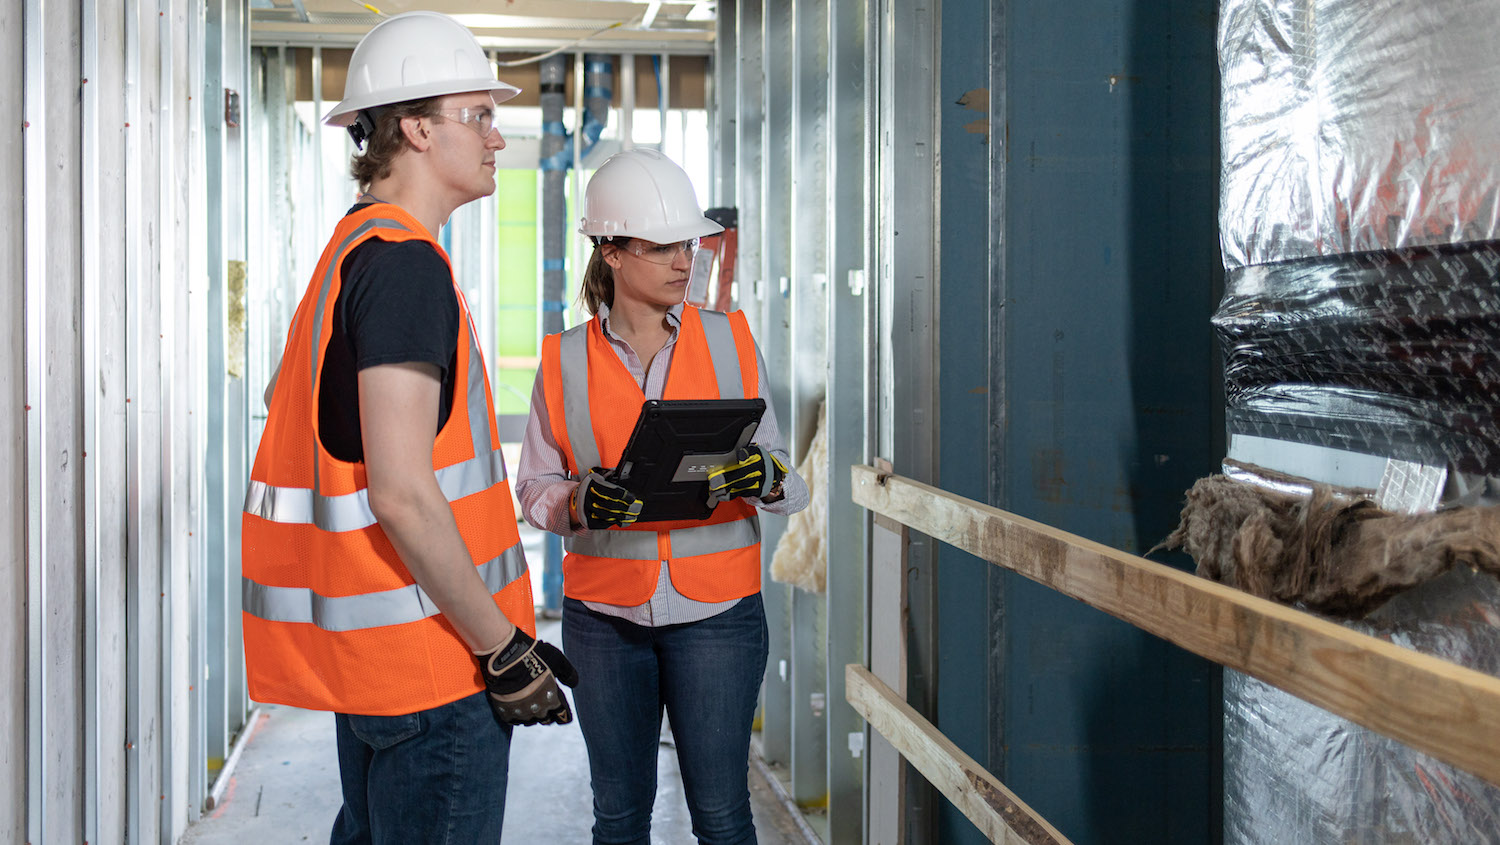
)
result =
(700, 228)
(343, 114)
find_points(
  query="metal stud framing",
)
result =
(773, 334)
(218, 494)
(807, 298)
(906, 273)
(141, 550)
(34, 213)
(802, 178)
(107, 353)
(235, 32)
(849, 371)
(723, 106)
(89, 149)
(14, 659)
(749, 99)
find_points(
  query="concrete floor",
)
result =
(285, 788)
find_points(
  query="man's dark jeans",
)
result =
(435, 776)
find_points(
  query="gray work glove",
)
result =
(521, 675)
(599, 503)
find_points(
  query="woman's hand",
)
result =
(754, 472)
(600, 503)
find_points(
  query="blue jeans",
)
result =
(434, 776)
(707, 676)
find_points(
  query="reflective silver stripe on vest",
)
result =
(479, 420)
(351, 511)
(686, 542)
(323, 290)
(573, 350)
(316, 333)
(721, 350)
(367, 610)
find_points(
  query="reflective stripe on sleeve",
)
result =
(369, 610)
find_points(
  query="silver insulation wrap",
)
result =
(1295, 773)
(1359, 219)
(1357, 125)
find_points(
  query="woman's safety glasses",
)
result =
(481, 119)
(661, 253)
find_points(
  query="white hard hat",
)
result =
(643, 194)
(413, 56)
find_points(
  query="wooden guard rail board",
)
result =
(995, 810)
(1432, 705)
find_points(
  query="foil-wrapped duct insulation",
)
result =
(1295, 774)
(1360, 228)
(1388, 353)
(1357, 125)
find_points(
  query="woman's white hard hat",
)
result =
(412, 56)
(643, 194)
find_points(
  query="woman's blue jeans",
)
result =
(435, 776)
(707, 676)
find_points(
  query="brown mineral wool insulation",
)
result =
(801, 557)
(1333, 555)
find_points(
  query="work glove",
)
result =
(521, 675)
(753, 472)
(604, 504)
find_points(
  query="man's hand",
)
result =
(603, 504)
(753, 472)
(521, 675)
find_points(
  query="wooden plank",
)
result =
(886, 805)
(995, 810)
(1432, 705)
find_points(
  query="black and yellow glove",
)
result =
(604, 504)
(521, 675)
(753, 472)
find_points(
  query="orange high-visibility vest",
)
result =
(332, 617)
(710, 560)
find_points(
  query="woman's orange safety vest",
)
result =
(332, 617)
(710, 560)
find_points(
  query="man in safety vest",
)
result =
(383, 573)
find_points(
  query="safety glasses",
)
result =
(661, 253)
(481, 119)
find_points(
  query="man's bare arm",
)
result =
(398, 412)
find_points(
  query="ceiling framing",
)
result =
(609, 26)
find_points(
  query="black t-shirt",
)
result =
(396, 304)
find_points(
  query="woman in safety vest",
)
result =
(657, 615)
